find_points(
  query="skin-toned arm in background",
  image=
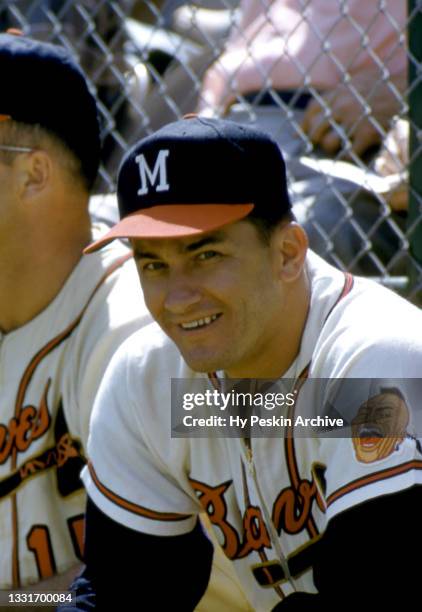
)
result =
(359, 108)
(392, 161)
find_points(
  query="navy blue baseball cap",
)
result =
(43, 85)
(197, 175)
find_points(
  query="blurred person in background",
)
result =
(325, 78)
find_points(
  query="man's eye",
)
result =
(207, 255)
(153, 266)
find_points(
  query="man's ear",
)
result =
(34, 172)
(291, 244)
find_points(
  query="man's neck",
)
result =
(282, 347)
(35, 262)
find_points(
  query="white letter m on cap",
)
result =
(148, 177)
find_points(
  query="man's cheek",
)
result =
(151, 300)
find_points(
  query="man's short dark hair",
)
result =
(266, 226)
(45, 87)
(36, 137)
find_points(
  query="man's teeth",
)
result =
(199, 322)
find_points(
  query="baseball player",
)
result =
(61, 317)
(309, 522)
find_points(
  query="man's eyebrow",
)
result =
(216, 238)
(144, 254)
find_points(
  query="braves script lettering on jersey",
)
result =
(50, 370)
(268, 501)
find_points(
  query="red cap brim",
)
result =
(173, 221)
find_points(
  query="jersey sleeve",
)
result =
(117, 310)
(352, 479)
(380, 453)
(372, 371)
(126, 477)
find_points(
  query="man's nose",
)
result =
(181, 296)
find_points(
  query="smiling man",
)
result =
(217, 321)
(226, 273)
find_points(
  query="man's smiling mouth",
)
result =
(199, 323)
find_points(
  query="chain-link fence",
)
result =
(328, 78)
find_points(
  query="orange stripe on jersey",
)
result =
(214, 380)
(348, 285)
(290, 452)
(289, 439)
(16, 580)
(289, 443)
(374, 477)
(130, 506)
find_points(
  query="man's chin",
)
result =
(202, 368)
(203, 364)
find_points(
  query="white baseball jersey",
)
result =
(50, 371)
(269, 500)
